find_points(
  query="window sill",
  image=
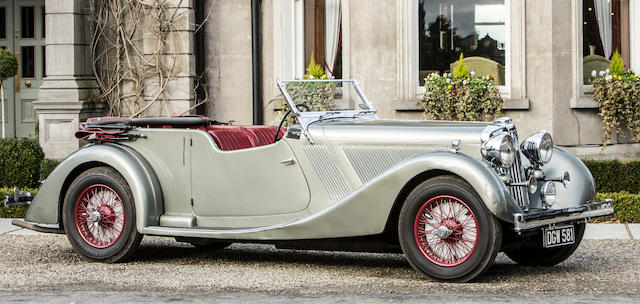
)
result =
(416, 104)
(583, 102)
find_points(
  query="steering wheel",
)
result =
(275, 140)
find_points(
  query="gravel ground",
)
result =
(48, 263)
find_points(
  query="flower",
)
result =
(608, 78)
(324, 76)
(602, 73)
(473, 73)
(607, 71)
(594, 73)
(449, 87)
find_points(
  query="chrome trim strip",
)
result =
(522, 222)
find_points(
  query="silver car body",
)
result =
(332, 176)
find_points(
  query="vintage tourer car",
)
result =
(449, 195)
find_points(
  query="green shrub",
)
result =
(8, 64)
(46, 167)
(615, 176)
(616, 66)
(20, 162)
(468, 98)
(460, 70)
(618, 97)
(15, 211)
(626, 206)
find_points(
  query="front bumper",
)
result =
(535, 219)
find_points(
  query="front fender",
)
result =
(484, 180)
(147, 194)
(582, 188)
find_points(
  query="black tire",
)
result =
(99, 216)
(425, 251)
(531, 252)
(203, 243)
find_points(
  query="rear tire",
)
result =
(99, 216)
(446, 232)
(532, 253)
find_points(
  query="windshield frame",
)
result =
(307, 118)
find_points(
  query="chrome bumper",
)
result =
(535, 219)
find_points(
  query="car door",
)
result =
(255, 182)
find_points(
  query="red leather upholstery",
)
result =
(230, 138)
(242, 137)
(263, 135)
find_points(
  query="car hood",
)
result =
(416, 132)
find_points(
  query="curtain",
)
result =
(331, 35)
(603, 14)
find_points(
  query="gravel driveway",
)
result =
(48, 263)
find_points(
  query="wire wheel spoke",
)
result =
(99, 216)
(446, 230)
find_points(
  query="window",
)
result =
(475, 28)
(601, 28)
(605, 29)
(310, 28)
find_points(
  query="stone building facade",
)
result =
(541, 47)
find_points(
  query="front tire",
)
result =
(446, 232)
(99, 216)
(531, 252)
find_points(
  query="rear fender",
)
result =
(147, 194)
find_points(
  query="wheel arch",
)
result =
(487, 185)
(46, 207)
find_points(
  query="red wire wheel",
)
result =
(446, 231)
(99, 216)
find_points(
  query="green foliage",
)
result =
(615, 176)
(616, 66)
(318, 96)
(15, 211)
(8, 64)
(618, 97)
(626, 207)
(460, 70)
(46, 167)
(314, 70)
(467, 98)
(19, 162)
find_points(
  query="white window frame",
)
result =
(582, 98)
(408, 89)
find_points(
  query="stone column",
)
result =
(63, 99)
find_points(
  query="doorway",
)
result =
(22, 31)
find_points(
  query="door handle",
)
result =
(27, 83)
(288, 162)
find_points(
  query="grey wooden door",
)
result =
(22, 30)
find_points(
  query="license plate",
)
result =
(558, 236)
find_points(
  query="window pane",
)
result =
(27, 23)
(42, 20)
(322, 22)
(476, 28)
(28, 61)
(605, 29)
(3, 23)
(44, 61)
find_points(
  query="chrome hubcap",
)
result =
(442, 232)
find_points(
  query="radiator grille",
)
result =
(517, 174)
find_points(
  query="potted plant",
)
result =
(617, 93)
(461, 95)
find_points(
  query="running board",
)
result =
(35, 227)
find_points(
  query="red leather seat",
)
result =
(230, 137)
(263, 135)
(242, 137)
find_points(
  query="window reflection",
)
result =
(475, 28)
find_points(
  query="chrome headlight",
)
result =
(548, 193)
(500, 150)
(538, 148)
